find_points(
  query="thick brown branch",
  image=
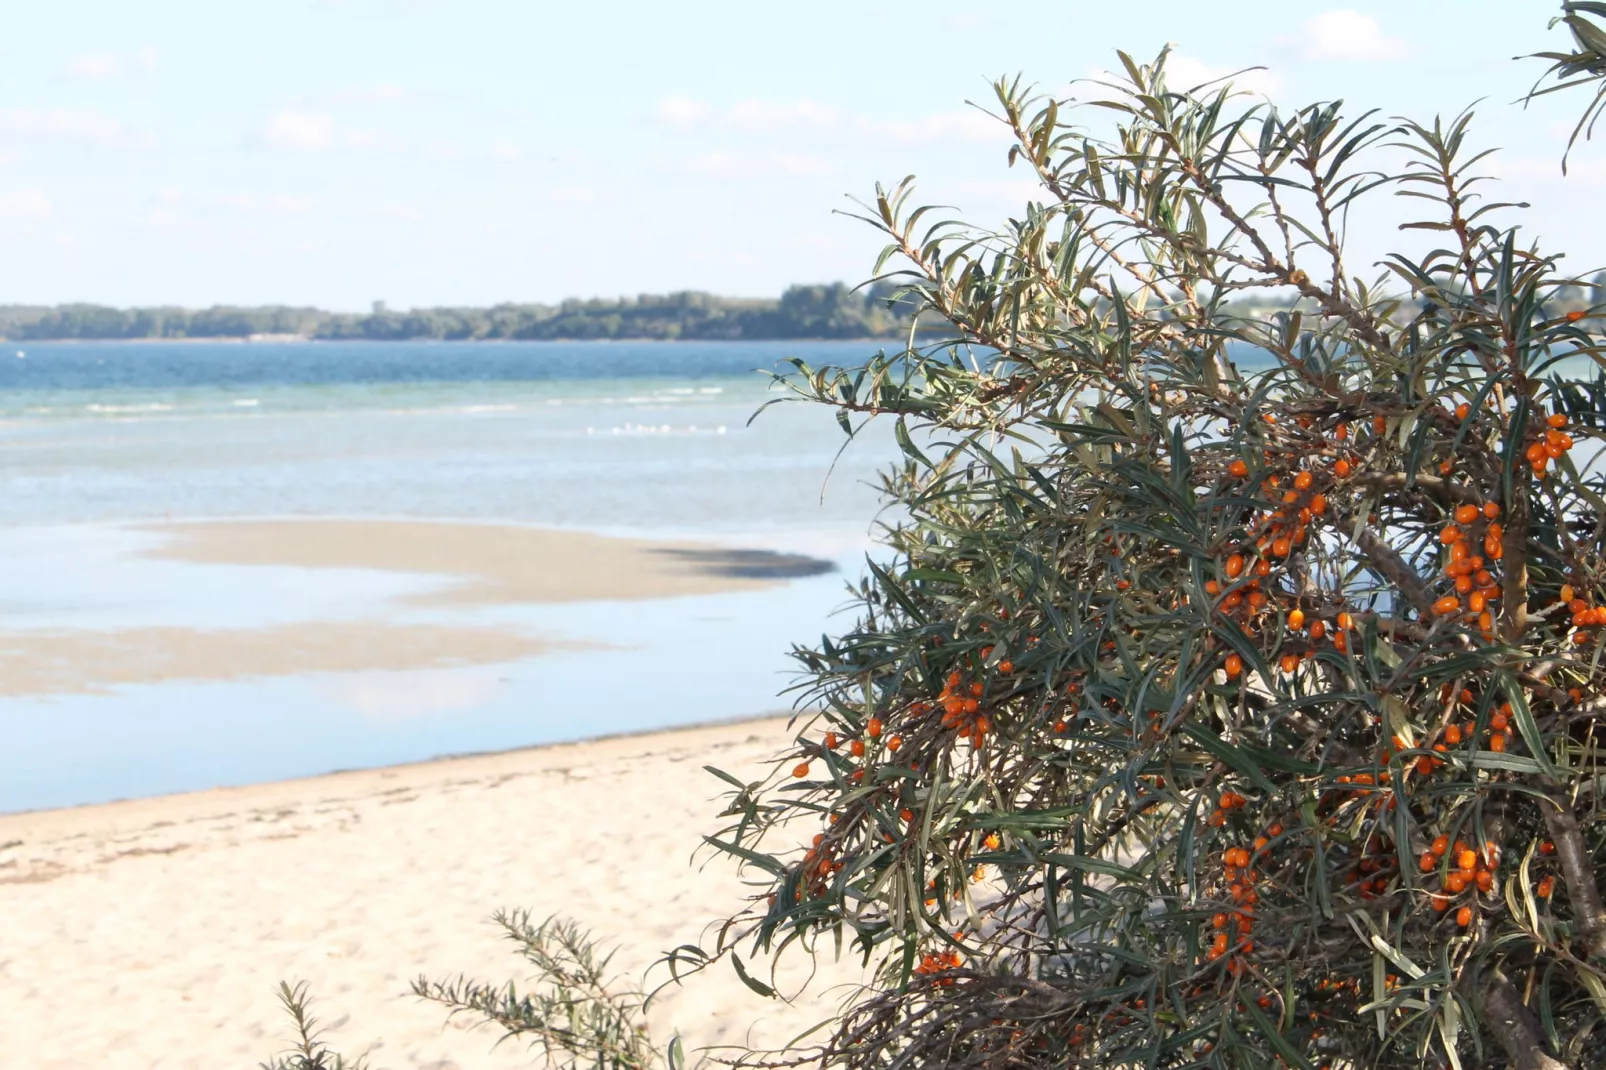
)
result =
(1515, 1029)
(1513, 547)
(1578, 870)
(1393, 568)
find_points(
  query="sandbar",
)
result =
(89, 662)
(494, 563)
(177, 917)
(482, 564)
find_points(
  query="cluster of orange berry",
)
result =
(961, 708)
(1469, 570)
(1472, 869)
(1499, 725)
(1550, 446)
(1232, 939)
(1230, 800)
(819, 865)
(939, 962)
(1584, 614)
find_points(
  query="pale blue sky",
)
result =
(334, 152)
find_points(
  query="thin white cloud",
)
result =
(275, 204)
(1347, 34)
(301, 131)
(506, 152)
(377, 94)
(760, 114)
(682, 111)
(744, 165)
(966, 125)
(100, 65)
(572, 195)
(61, 124)
(399, 213)
(25, 205)
(371, 141)
(746, 114)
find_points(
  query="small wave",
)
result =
(712, 390)
(246, 403)
(489, 408)
(117, 409)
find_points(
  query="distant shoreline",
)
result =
(297, 339)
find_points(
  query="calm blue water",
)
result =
(647, 439)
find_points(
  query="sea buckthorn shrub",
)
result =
(1227, 694)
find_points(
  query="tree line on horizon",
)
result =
(807, 311)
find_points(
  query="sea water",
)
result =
(657, 440)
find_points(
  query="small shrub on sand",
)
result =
(1231, 695)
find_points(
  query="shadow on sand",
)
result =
(750, 564)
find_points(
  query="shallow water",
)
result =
(644, 439)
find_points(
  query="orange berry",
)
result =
(1296, 619)
(1452, 734)
(1450, 534)
(1318, 629)
(1280, 547)
(1462, 411)
(857, 747)
(1440, 902)
(830, 741)
(800, 770)
(1557, 420)
(1318, 504)
(1303, 481)
(1006, 666)
(1447, 605)
(1289, 662)
(1428, 862)
(1573, 317)
(1497, 742)
(1547, 848)
(1463, 917)
(1238, 469)
(873, 728)
(1467, 860)
(1567, 592)
(1491, 510)
(1342, 468)
(1466, 514)
(1235, 566)
(1234, 665)
(1345, 621)
(1440, 845)
(1485, 880)
(1455, 883)
(894, 742)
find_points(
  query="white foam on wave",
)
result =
(116, 409)
(246, 403)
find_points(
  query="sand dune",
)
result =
(151, 934)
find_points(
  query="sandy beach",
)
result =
(152, 933)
